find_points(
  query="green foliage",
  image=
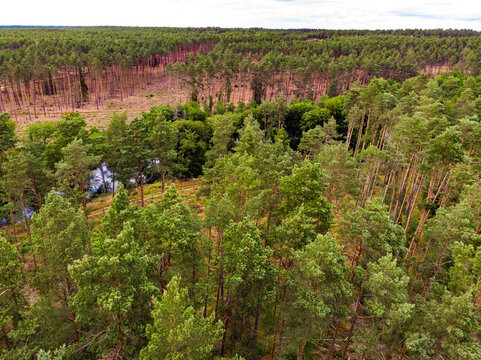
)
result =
(12, 300)
(194, 138)
(317, 291)
(249, 274)
(304, 188)
(163, 140)
(249, 279)
(70, 127)
(113, 298)
(372, 233)
(341, 173)
(250, 136)
(60, 236)
(170, 230)
(387, 301)
(7, 133)
(223, 130)
(41, 132)
(115, 133)
(179, 331)
(57, 354)
(313, 118)
(75, 167)
(135, 151)
(119, 212)
(444, 327)
(251, 267)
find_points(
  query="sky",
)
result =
(286, 14)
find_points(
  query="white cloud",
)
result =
(328, 14)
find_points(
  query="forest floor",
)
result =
(187, 190)
(157, 93)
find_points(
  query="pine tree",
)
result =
(169, 229)
(13, 302)
(113, 299)
(76, 166)
(317, 294)
(179, 331)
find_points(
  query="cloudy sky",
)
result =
(324, 14)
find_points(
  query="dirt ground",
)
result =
(134, 105)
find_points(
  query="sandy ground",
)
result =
(134, 105)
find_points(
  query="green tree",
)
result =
(387, 303)
(76, 167)
(313, 118)
(115, 134)
(341, 174)
(305, 188)
(70, 127)
(194, 139)
(135, 154)
(223, 130)
(317, 294)
(7, 133)
(13, 302)
(444, 326)
(373, 234)
(248, 285)
(179, 331)
(60, 237)
(163, 140)
(170, 230)
(16, 183)
(113, 299)
(120, 211)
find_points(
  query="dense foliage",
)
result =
(346, 227)
(60, 69)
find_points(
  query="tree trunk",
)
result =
(300, 353)
(163, 181)
(27, 227)
(353, 324)
(141, 188)
(333, 341)
(14, 230)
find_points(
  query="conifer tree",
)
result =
(179, 331)
(113, 299)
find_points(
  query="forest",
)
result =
(303, 221)
(51, 71)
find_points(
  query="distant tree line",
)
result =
(60, 69)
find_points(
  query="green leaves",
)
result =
(179, 332)
(114, 291)
(119, 212)
(12, 300)
(386, 291)
(445, 326)
(317, 291)
(60, 236)
(373, 233)
(248, 272)
(7, 133)
(170, 230)
(304, 188)
(76, 166)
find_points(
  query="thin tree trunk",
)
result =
(27, 227)
(353, 324)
